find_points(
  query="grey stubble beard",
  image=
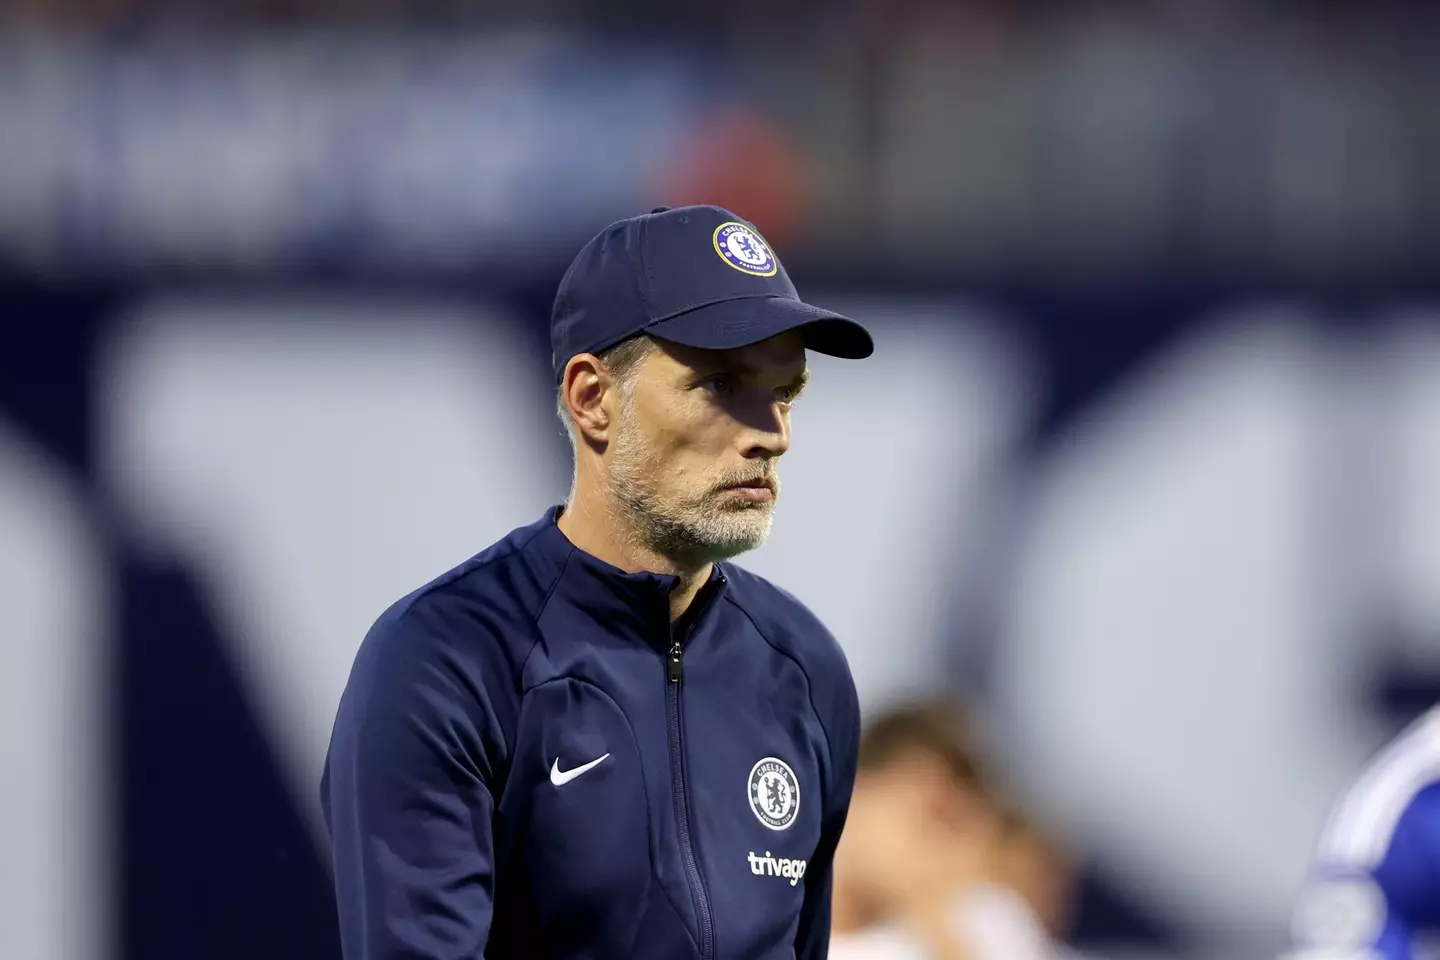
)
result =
(689, 533)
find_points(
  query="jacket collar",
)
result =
(637, 600)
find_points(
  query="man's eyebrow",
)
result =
(740, 368)
(797, 382)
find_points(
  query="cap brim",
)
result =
(730, 324)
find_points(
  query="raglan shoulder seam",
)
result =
(809, 683)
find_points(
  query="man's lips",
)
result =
(759, 484)
(757, 490)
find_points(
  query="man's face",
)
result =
(694, 463)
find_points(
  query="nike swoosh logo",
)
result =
(561, 777)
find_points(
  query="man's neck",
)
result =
(600, 530)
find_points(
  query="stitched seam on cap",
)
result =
(641, 291)
(708, 303)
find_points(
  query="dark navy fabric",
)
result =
(667, 273)
(450, 839)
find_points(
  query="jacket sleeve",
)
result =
(1351, 915)
(1374, 884)
(407, 796)
(842, 726)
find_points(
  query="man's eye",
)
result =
(721, 386)
(786, 394)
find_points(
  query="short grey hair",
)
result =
(622, 360)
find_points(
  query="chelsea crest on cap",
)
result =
(699, 276)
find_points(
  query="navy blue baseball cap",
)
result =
(698, 276)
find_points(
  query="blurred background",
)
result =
(1143, 472)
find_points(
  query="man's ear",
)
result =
(585, 385)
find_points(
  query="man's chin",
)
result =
(736, 542)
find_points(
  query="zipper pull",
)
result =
(676, 668)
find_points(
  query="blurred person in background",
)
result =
(542, 752)
(1374, 892)
(1038, 867)
(934, 865)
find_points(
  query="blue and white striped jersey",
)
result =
(1374, 893)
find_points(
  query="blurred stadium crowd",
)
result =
(688, 13)
(1155, 286)
(1067, 141)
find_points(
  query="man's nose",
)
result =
(769, 435)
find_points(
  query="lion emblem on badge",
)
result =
(774, 793)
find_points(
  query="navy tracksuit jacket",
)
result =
(530, 761)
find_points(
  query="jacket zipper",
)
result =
(674, 673)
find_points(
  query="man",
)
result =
(923, 872)
(1375, 890)
(597, 738)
